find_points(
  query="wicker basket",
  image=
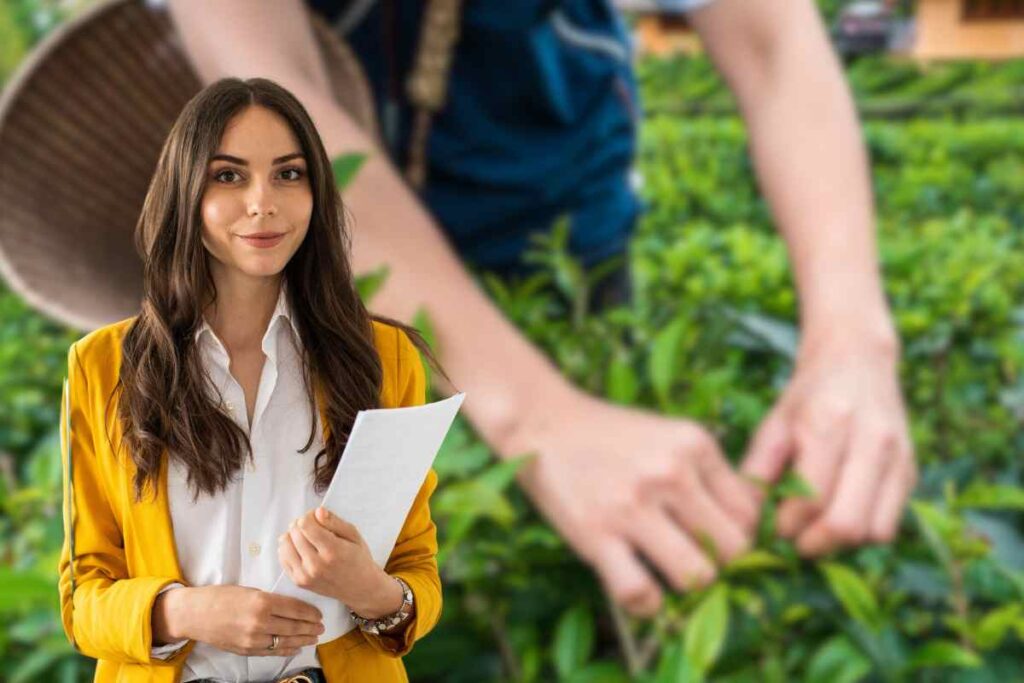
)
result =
(81, 127)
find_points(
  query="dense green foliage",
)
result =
(884, 88)
(711, 336)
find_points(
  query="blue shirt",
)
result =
(540, 122)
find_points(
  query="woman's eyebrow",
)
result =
(243, 162)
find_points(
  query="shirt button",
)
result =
(230, 406)
(254, 549)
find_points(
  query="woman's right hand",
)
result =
(241, 620)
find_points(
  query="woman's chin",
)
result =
(262, 268)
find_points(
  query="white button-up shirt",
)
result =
(231, 538)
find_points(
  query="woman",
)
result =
(247, 365)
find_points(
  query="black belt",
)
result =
(311, 675)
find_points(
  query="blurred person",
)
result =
(539, 120)
(250, 322)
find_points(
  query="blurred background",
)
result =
(711, 335)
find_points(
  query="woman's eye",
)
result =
(296, 171)
(220, 175)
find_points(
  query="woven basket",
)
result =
(81, 127)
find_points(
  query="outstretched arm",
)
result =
(842, 419)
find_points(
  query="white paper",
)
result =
(383, 466)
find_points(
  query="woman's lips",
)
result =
(263, 242)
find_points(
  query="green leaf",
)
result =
(993, 496)
(422, 322)
(664, 360)
(24, 589)
(675, 667)
(707, 628)
(476, 499)
(600, 672)
(368, 284)
(574, 640)
(993, 627)
(465, 502)
(755, 560)
(792, 485)
(853, 593)
(503, 472)
(621, 384)
(779, 336)
(935, 525)
(942, 653)
(425, 326)
(34, 665)
(345, 168)
(837, 661)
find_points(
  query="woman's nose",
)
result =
(262, 209)
(261, 200)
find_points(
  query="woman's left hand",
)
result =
(327, 555)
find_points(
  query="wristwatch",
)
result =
(388, 621)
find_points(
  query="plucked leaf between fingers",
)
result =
(755, 561)
(792, 485)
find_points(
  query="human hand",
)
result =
(615, 480)
(842, 423)
(327, 555)
(243, 620)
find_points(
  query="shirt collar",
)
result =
(281, 310)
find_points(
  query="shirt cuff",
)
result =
(166, 651)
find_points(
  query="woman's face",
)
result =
(257, 201)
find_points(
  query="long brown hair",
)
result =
(164, 403)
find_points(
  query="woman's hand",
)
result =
(327, 555)
(241, 620)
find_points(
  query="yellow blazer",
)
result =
(125, 551)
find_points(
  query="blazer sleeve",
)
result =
(414, 557)
(105, 613)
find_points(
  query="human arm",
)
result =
(106, 614)
(165, 641)
(841, 419)
(327, 555)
